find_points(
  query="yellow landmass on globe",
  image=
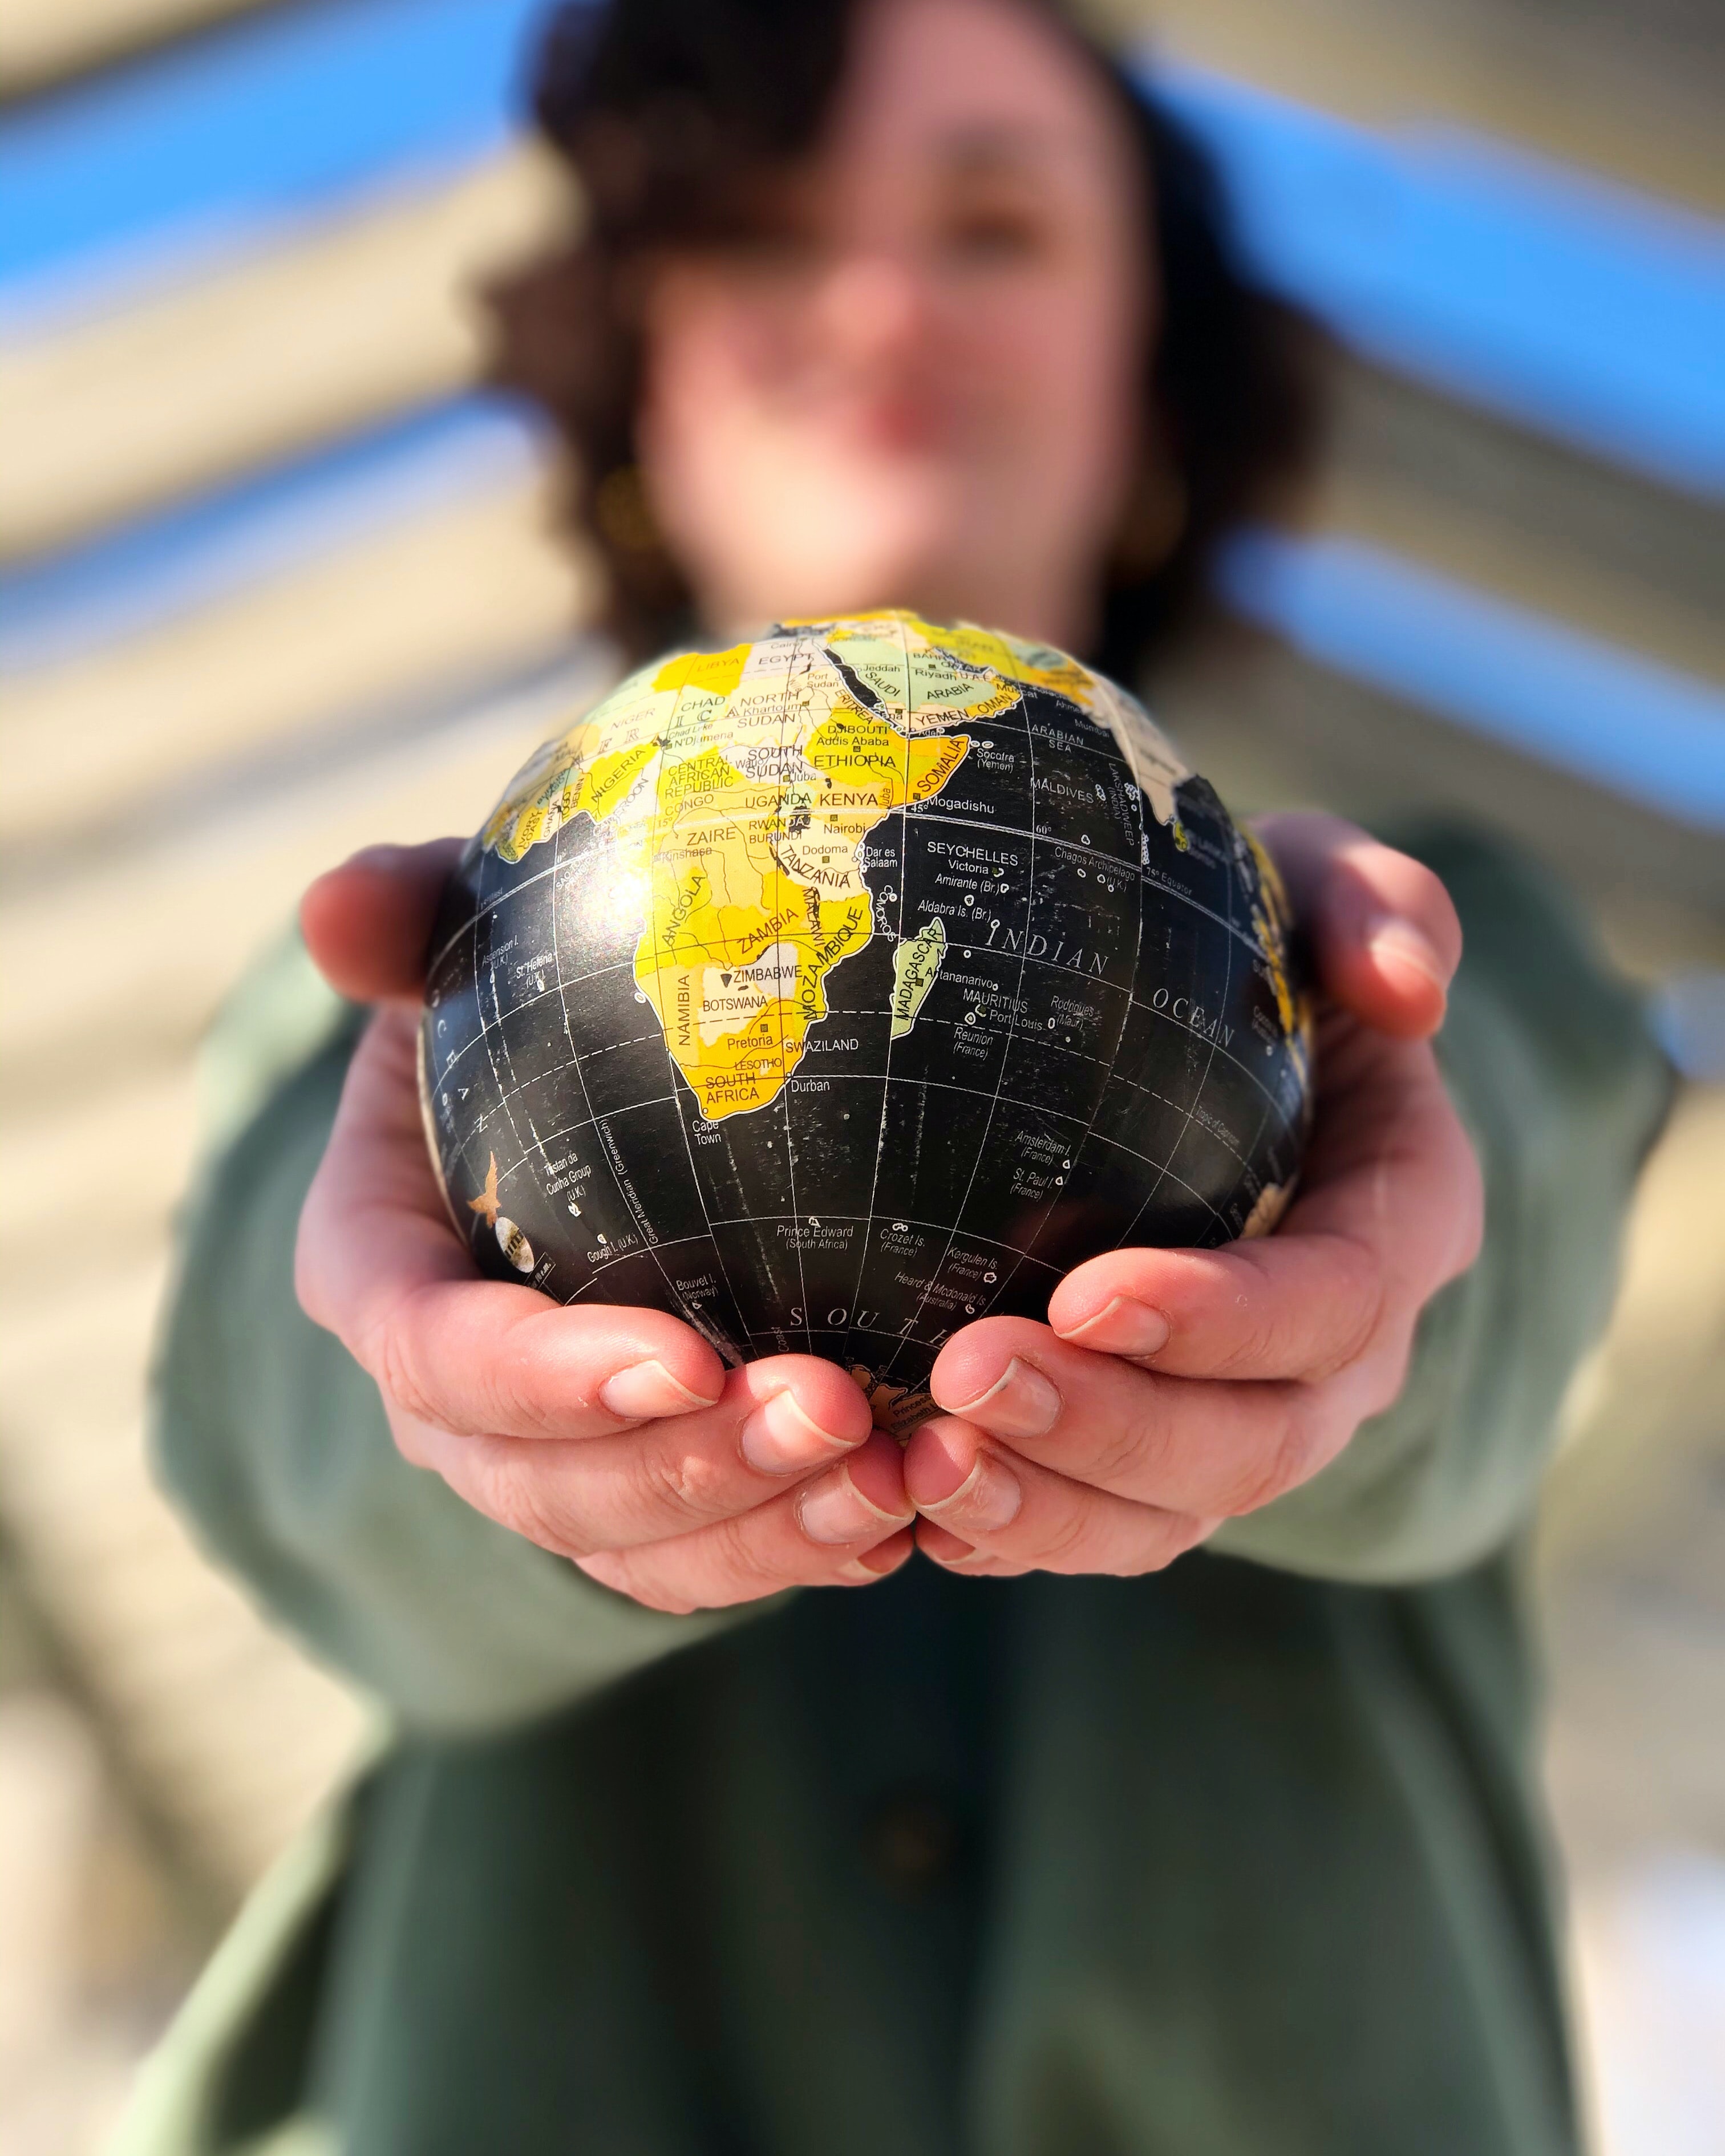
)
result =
(757, 893)
(924, 667)
(1272, 1203)
(1274, 930)
(738, 786)
(915, 962)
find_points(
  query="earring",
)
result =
(1150, 530)
(622, 514)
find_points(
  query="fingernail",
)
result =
(873, 1565)
(648, 1389)
(1123, 1328)
(988, 1498)
(1020, 1403)
(1391, 935)
(778, 1438)
(834, 1510)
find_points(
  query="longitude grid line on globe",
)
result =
(484, 905)
(901, 834)
(1012, 1029)
(1133, 1002)
(513, 1089)
(555, 1137)
(1090, 1127)
(1273, 1102)
(651, 1242)
(1257, 1138)
(799, 658)
(1189, 1114)
(506, 1095)
(1227, 1055)
(671, 1063)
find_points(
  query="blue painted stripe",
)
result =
(167, 564)
(255, 122)
(1622, 721)
(1574, 308)
(1618, 720)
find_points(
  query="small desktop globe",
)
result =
(840, 989)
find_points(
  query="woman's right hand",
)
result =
(614, 1437)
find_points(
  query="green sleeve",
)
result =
(1550, 1064)
(273, 1439)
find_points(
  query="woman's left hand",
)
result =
(1172, 1389)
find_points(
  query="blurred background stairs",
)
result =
(277, 579)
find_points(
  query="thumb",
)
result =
(1381, 928)
(368, 924)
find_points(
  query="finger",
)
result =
(1005, 1510)
(479, 1358)
(1381, 925)
(847, 1528)
(667, 1478)
(368, 924)
(1391, 1209)
(1184, 1444)
(957, 1555)
(378, 1265)
(1294, 1306)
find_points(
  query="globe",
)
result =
(841, 987)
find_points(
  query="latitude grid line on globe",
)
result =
(1135, 1003)
(1000, 830)
(924, 814)
(651, 1242)
(592, 1121)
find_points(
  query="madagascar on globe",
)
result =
(836, 989)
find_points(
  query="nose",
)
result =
(876, 306)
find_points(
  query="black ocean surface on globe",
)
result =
(837, 989)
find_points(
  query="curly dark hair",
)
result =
(668, 111)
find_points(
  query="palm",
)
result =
(1169, 1389)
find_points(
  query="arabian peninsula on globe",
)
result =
(839, 988)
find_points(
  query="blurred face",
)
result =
(918, 384)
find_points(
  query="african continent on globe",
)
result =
(836, 989)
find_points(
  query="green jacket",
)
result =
(1243, 1857)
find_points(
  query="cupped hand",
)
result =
(1172, 1389)
(614, 1437)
